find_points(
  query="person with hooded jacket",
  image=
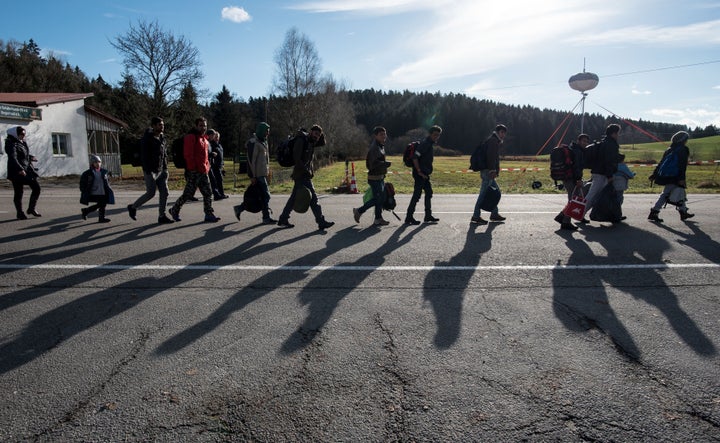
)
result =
(678, 146)
(21, 172)
(259, 169)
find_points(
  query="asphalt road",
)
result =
(236, 331)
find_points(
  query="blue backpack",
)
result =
(669, 168)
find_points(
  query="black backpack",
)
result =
(478, 159)
(592, 154)
(389, 203)
(561, 163)
(284, 153)
(178, 152)
(252, 198)
(409, 153)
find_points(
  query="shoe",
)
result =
(654, 216)
(21, 216)
(411, 221)
(33, 212)
(132, 211)
(478, 221)
(497, 218)
(103, 220)
(174, 214)
(285, 223)
(211, 218)
(560, 217)
(684, 215)
(623, 218)
(356, 215)
(164, 220)
(84, 213)
(568, 227)
(430, 219)
(269, 221)
(324, 224)
(381, 222)
(238, 211)
(585, 221)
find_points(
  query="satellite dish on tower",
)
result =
(583, 81)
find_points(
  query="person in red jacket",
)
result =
(195, 151)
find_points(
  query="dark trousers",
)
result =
(100, 204)
(421, 184)
(314, 206)
(378, 198)
(18, 186)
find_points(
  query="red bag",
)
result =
(575, 208)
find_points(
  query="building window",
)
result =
(61, 144)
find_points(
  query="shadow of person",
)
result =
(321, 304)
(698, 240)
(444, 287)
(263, 285)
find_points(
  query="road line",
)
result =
(351, 268)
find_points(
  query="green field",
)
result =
(450, 176)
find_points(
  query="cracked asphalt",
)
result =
(236, 331)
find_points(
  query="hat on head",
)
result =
(13, 131)
(95, 159)
(262, 130)
(680, 137)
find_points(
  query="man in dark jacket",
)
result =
(577, 148)
(677, 147)
(489, 174)
(377, 169)
(303, 150)
(422, 168)
(153, 155)
(604, 165)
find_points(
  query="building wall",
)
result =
(65, 118)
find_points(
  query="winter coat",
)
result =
(153, 152)
(86, 184)
(493, 153)
(19, 158)
(424, 154)
(683, 156)
(258, 157)
(375, 161)
(607, 161)
(195, 151)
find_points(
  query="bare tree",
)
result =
(298, 66)
(162, 62)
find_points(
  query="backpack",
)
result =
(561, 163)
(284, 153)
(178, 153)
(592, 154)
(478, 159)
(669, 168)
(409, 153)
(252, 198)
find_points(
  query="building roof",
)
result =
(105, 116)
(35, 99)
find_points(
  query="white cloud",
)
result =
(235, 14)
(716, 87)
(691, 117)
(692, 34)
(637, 92)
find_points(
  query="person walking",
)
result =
(195, 151)
(604, 165)
(217, 165)
(489, 174)
(303, 149)
(678, 148)
(575, 183)
(377, 169)
(21, 172)
(422, 169)
(154, 159)
(95, 187)
(259, 169)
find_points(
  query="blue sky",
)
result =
(657, 60)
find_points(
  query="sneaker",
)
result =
(285, 223)
(411, 221)
(324, 224)
(174, 214)
(211, 218)
(103, 220)
(269, 221)
(21, 216)
(132, 211)
(497, 218)
(356, 215)
(430, 219)
(238, 211)
(84, 212)
(686, 215)
(478, 221)
(560, 217)
(381, 222)
(568, 227)
(34, 213)
(164, 220)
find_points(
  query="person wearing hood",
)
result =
(95, 187)
(21, 172)
(258, 155)
(678, 148)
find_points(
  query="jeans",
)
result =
(421, 184)
(664, 197)
(153, 181)
(486, 183)
(378, 198)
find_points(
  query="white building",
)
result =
(61, 131)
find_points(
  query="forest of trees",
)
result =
(347, 116)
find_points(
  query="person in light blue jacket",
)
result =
(621, 178)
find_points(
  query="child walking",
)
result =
(95, 187)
